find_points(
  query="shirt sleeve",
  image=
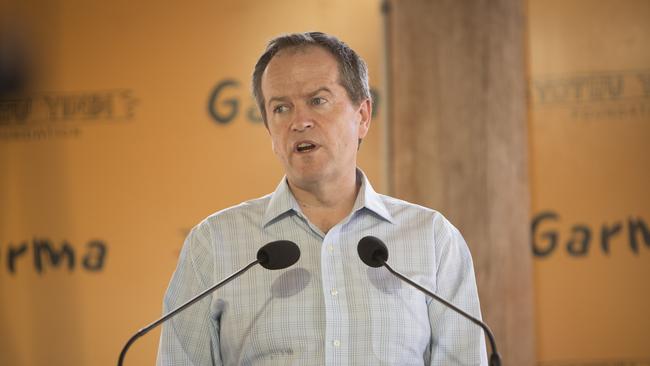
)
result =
(455, 340)
(191, 337)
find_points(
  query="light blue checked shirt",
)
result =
(329, 308)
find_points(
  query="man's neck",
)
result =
(327, 203)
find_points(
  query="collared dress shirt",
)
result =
(329, 308)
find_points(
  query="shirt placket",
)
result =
(337, 340)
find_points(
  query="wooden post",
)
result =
(459, 144)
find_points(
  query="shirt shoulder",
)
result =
(401, 210)
(245, 213)
(421, 219)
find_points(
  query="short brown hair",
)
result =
(353, 72)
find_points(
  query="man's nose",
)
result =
(302, 120)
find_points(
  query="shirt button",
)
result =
(330, 248)
(336, 343)
(334, 292)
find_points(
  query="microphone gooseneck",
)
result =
(374, 253)
(278, 254)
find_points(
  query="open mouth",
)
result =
(305, 147)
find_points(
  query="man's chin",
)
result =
(307, 177)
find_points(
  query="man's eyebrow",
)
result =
(309, 95)
(322, 88)
(277, 99)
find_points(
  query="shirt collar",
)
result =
(369, 199)
(283, 202)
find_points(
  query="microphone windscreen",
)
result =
(278, 254)
(372, 251)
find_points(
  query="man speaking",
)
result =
(329, 308)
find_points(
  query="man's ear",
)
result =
(365, 115)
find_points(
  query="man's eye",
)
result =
(318, 101)
(280, 109)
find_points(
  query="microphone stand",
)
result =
(196, 298)
(495, 358)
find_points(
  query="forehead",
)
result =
(299, 69)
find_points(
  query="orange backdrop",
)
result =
(590, 165)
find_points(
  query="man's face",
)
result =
(314, 126)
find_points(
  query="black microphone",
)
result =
(278, 254)
(374, 253)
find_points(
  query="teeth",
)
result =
(303, 146)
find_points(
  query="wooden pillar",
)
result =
(457, 128)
